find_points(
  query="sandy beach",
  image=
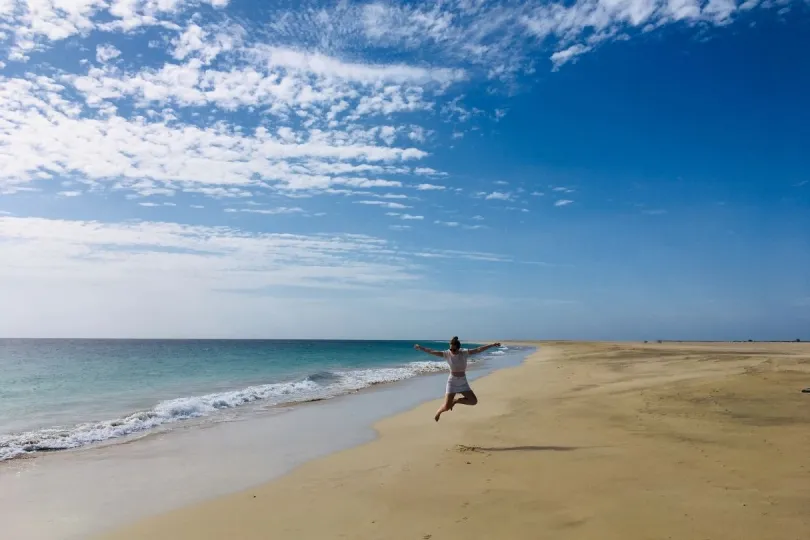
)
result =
(582, 441)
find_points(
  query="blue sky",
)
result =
(593, 169)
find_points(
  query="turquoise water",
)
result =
(60, 394)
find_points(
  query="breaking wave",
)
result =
(319, 385)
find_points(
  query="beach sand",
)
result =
(583, 441)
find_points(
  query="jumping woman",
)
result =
(456, 358)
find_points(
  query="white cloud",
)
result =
(502, 37)
(150, 204)
(501, 183)
(560, 58)
(69, 193)
(498, 196)
(468, 255)
(563, 202)
(150, 256)
(447, 223)
(220, 192)
(499, 38)
(411, 217)
(35, 24)
(417, 134)
(105, 53)
(478, 218)
(427, 171)
(76, 278)
(399, 227)
(454, 110)
(430, 187)
(367, 183)
(719, 10)
(654, 212)
(351, 193)
(384, 204)
(326, 66)
(268, 211)
(308, 84)
(683, 9)
(42, 132)
(388, 134)
(197, 206)
(480, 35)
(204, 43)
(537, 193)
(579, 26)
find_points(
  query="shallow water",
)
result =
(62, 394)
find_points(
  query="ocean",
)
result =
(65, 394)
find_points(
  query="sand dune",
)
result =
(584, 441)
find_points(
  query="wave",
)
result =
(319, 385)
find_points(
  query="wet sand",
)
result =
(583, 441)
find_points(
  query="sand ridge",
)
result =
(582, 441)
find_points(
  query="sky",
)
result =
(588, 169)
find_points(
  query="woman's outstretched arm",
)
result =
(484, 348)
(429, 351)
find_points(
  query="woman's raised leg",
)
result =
(469, 399)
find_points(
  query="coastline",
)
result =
(194, 381)
(581, 440)
(70, 494)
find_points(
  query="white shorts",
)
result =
(457, 385)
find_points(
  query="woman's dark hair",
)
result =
(455, 342)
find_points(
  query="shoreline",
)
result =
(134, 478)
(164, 412)
(635, 441)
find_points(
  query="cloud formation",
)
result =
(214, 257)
(163, 104)
(131, 254)
(228, 106)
